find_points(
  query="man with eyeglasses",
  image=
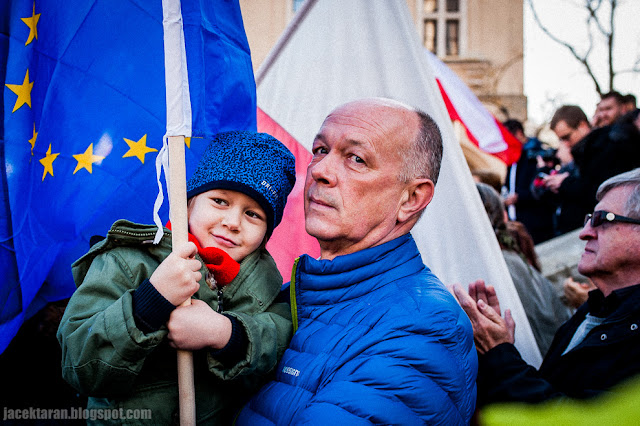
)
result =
(599, 346)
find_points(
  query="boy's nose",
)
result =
(232, 219)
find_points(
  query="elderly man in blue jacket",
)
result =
(378, 338)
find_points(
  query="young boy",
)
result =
(119, 328)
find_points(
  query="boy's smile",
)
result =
(229, 220)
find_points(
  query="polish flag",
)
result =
(336, 51)
(481, 127)
(289, 239)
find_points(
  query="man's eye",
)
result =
(219, 201)
(320, 150)
(357, 159)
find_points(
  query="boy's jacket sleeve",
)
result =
(102, 349)
(268, 334)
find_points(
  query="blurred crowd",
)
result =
(549, 189)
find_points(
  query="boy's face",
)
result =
(228, 220)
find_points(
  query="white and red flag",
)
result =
(481, 127)
(335, 51)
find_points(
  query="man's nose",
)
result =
(323, 170)
(587, 232)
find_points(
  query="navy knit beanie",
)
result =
(256, 164)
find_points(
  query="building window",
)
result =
(453, 37)
(430, 34)
(443, 23)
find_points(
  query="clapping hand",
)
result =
(483, 309)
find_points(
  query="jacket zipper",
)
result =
(213, 285)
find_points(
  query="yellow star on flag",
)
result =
(47, 162)
(86, 160)
(32, 23)
(138, 149)
(32, 141)
(23, 91)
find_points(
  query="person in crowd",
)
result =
(536, 215)
(569, 211)
(378, 338)
(544, 309)
(628, 103)
(597, 154)
(123, 321)
(610, 108)
(599, 346)
(524, 241)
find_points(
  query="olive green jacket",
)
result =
(107, 357)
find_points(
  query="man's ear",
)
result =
(417, 195)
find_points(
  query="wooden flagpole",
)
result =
(178, 126)
(179, 235)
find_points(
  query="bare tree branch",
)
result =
(593, 10)
(582, 59)
(612, 74)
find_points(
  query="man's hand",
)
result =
(483, 308)
(198, 326)
(511, 199)
(576, 293)
(176, 278)
(553, 182)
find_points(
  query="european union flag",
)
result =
(84, 114)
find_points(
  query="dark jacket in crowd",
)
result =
(603, 153)
(608, 355)
(570, 206)
(536, 215)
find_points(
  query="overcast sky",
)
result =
(550, 72)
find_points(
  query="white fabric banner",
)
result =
(335, 51)
(476, 117)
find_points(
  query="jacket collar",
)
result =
(601, 306)
(353, 275)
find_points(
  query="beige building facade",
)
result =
(481, 40)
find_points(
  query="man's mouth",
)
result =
(319, 201)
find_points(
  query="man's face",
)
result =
(568, 134)
(352, 190)
(609, 110)
(611, 255)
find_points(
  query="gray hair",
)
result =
(630, 178)
(425, 153)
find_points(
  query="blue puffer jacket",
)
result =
(379, 339)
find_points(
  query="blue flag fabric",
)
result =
(84, 114)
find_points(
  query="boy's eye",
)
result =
(220, 201)
(253, 214)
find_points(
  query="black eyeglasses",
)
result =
(599, 217)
